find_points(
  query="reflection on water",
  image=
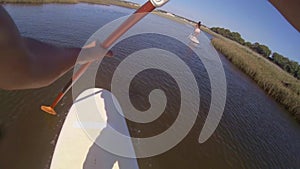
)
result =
(255, 131)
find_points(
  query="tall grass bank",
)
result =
(284, 88)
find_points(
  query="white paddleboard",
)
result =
(76, 148)
(194, 39)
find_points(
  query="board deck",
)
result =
(76, 148)
(194, 39)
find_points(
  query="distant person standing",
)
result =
(197, 29)
(193, 36)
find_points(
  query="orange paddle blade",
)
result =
(48, 110)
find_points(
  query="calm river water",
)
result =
(255, 132)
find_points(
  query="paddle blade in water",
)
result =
(48, 110)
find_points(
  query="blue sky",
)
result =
(255, 20)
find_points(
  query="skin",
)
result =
(28, 63)
(290, 10)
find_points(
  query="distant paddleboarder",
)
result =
(194, 36)
(197, 29)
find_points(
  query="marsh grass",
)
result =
(284, 88)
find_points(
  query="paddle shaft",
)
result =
(124, 27)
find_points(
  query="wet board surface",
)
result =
(194, 39)
(76, 147)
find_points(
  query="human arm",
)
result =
(290, 10)
(27, 63)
